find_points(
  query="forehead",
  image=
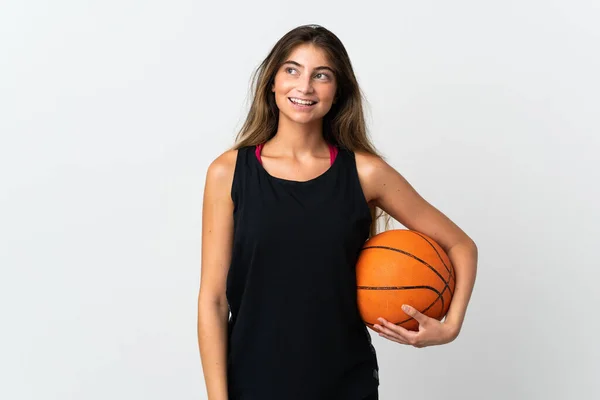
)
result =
(309, 55)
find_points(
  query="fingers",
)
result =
(420, 317)
(389, 334)
(399, 334)
(396, 339)
(394, 332)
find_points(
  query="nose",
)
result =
(305, 84)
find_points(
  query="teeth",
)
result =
(303, 102)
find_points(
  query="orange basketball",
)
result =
(399, 267)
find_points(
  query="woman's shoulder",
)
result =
(224, 164)
(369, 167)
(367, 163)
(219, 175)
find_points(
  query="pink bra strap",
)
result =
(257, 152)
(333, 152)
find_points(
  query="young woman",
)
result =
(285, 214)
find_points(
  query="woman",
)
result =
(285, 214)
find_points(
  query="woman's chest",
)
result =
(333, 221)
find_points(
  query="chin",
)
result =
(304, 119)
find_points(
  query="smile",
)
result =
(301, 104)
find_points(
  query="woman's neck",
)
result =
(297, 139)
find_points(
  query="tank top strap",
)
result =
(240, 175)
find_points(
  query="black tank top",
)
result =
(295, 332)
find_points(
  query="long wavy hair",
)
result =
(344, 125)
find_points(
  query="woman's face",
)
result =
(305, 75)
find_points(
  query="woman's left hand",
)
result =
(431, 331)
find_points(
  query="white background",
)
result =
(111, 111)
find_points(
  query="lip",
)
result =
(301, 107)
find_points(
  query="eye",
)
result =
(325, 75)
(289, 68)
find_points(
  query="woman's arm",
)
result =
(217, 238)
(389, 190)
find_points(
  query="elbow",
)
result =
(212, 300)
(206, 300)
(212, 312)
(466, 243)
(472, 244)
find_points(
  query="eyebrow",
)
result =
(317, 68)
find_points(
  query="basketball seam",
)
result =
(449, 270)
(413, 256)
(439, 294)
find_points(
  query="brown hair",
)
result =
(344, 125)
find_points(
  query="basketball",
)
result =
(401, 266)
